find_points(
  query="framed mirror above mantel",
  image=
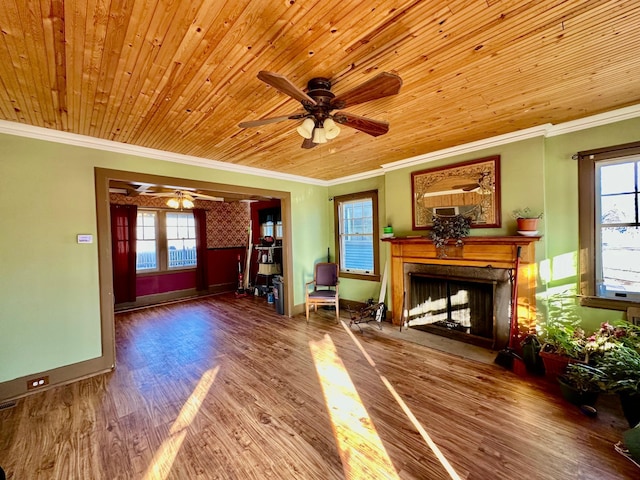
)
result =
(479, 251)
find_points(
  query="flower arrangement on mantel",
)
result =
(449, 227)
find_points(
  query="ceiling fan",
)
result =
(182, 198)
(319, 124)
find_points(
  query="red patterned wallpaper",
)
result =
(227, 223)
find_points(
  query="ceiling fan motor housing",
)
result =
(319, 89)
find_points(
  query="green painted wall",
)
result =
(522, 184)
(49, 292)
(561, 181)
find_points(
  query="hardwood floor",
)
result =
(224, 388)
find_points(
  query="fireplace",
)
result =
(469, 304)
(465, 295)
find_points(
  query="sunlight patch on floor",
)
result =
(165, 456)
(362, 453)
(434, 448)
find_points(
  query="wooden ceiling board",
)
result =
(180, 76)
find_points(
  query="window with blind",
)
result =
(357, 236)
(609, 189)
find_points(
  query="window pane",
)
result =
(618, 208)
(358, 253)
(146, 248)
(621, 258)
(146, 255)
(182, 253)
(617, 178)
(181, 239)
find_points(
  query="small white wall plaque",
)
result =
(85, 238)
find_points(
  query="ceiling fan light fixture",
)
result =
(319, 135)
(181, 200)
(332, 130)
(306, 128)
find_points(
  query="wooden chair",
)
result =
(325, 288)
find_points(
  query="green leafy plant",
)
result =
(582, 377)
(609, 337)
(449, 227)
(525, 213)
(620, 366)
(561, 332)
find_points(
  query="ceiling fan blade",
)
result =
(158, 194)
(202, 196)
(374, 128)
(382, 85)
(266, 121)
(308, 143)
(283, 84)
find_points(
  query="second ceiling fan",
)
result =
(319, 124)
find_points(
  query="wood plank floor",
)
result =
(224, 388)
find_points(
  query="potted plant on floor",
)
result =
(620, 368)
(563, 338)
(580, 384)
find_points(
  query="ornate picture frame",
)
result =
(470, 188)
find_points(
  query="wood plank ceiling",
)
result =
(180, 75)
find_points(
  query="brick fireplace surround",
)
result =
(484, 252)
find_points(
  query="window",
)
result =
(165, 240)
(146, 243)
(181, 239)
(357, 236)
(267, 229)
(610, 226)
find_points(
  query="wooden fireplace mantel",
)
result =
(496, 252)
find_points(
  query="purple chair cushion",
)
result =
(322, 294)
(326, 274)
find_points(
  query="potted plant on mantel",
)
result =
(449, 227)
(527, 221)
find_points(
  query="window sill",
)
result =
(360, 276)
(608, 303)
(151, 273)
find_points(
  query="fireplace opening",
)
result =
(454, 307)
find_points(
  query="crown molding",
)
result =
(50, 135)
(546, 130)
(605, 118)
(468, 147)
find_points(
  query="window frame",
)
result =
(155, 240)
(337, 201)
(162, 244)
(587, 209)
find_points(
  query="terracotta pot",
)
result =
(555, 364)
(527, 224)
